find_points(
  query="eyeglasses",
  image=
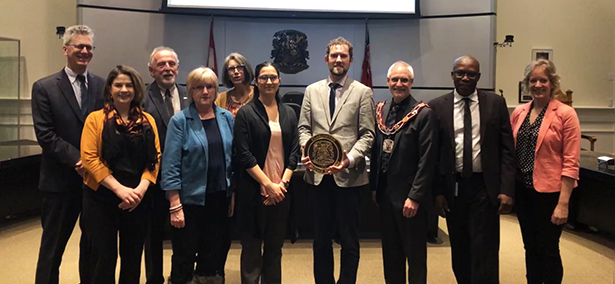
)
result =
(82, 46)
(265, 78)
(202, 87)
(459, 74)
(403, 80)
(237, 68)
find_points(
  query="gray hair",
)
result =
(77, 30)
(159, 49)
(403, 64)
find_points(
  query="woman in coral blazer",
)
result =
(548, 143)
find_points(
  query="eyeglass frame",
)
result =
(239, 68)
(82, 46)
(266, 78)
(459, 74)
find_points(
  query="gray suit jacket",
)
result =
(353, 124)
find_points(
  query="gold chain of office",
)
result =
(397, 126)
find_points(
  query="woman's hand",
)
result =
(177, 219)
(560, 214)
(275, 191)
(130, 197)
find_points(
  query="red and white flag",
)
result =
(211, 54)
(366, 75)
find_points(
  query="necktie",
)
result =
(168, 103)
(84, 95)
(467, 139)
(333, 87)
(391, 119)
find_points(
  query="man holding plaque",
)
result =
(342, 108)
(402, 167)
(476, 172)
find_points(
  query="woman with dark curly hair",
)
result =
(120, 152)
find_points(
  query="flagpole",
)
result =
(366, 68)
(211, 52)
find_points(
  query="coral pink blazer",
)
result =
(558, 149)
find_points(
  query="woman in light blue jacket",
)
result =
(196, 173)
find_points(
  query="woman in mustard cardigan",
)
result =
(548, 143)
(120, 152)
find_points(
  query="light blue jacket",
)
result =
(185, 157)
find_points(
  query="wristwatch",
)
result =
(286, 183)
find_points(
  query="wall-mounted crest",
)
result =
(290, 52)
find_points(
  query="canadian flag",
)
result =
(211, 53)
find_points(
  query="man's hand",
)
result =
(79, 168)
(410, 208)
(307, 163)
(442, 206)
(374, 198)
(337, 168)
(506, 203)
(231, 205)
(560, 214)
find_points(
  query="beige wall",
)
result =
(34, 23)
(581, 34)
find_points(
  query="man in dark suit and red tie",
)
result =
(476, 172)
(164, 99)
(60, 104)
(402, 168)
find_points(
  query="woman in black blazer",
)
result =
(267, 151)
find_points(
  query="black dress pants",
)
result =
(474, 230)
(335, 208)
(59, 214)
(103, 221)
(540, 237)
(261, 251)
(403, 239)
(158, 219)
(203, 235)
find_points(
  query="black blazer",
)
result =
(412, 163)
(154, 105)
(251, 144)
(58, 123)
(497, 146)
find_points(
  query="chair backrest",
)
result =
(293, 97)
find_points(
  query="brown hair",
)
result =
(340, 41)
(137, 82)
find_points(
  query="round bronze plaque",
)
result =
(324, 151)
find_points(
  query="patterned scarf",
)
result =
(135, 123)
(138, 131)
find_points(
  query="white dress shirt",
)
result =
(76, 84)
(458, 112)
(174, 97)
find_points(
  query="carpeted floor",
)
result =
(588, 258)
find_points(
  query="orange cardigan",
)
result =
(558, 149)
(91, 140)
